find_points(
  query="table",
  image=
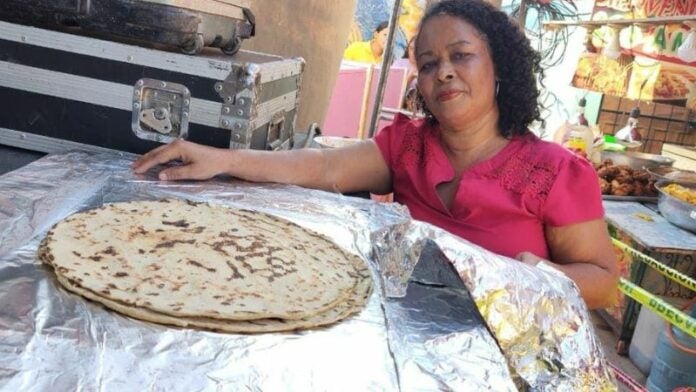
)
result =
(433, 337)
(644, 229)
(12, 158)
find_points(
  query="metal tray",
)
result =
(640, 199)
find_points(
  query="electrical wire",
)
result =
(551, 44)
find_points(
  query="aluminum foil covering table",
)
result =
(419, 331)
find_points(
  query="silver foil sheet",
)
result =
(536, 315)
(419, 331)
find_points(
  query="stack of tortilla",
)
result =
(198, 265)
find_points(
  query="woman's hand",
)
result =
(199, 162)
(529, 258)
(349, 169)
(595, 274)
(584, 252)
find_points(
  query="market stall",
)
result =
(444, 314)
(433, 337)
(641, 57)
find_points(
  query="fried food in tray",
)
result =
(621, 180)
(681, 192)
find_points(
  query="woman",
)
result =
(471, 167)
(410, 102)
(369, 51)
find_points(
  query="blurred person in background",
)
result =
(369, 51)
(408, 61)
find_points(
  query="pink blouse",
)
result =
(503, 203)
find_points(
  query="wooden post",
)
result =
(522, 15)
(318, 34)
(384, 71)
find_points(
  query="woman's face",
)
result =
(456, 75)
(380, 38)
(411, 48)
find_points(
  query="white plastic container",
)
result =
(645, 335)
(642, 348)
(580, 140)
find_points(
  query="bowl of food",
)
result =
(677, 203)
(637, 160)
(335, 141)
(669, 173)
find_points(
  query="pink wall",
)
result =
(343, 115)
(346, 104)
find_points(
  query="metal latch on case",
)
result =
(160, 110)
(275, 130)
(157, 119)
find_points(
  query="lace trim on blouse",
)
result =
(415, 151)
(523, 174)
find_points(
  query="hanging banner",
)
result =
(601, 74)
(370, 13)
(648, 67)
(663, 81)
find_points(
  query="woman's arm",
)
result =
(359, 167)
(585, 254)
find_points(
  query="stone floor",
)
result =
(608, 340)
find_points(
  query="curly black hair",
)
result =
(517, 65)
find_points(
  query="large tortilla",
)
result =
(185, 259)
(352, 305)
